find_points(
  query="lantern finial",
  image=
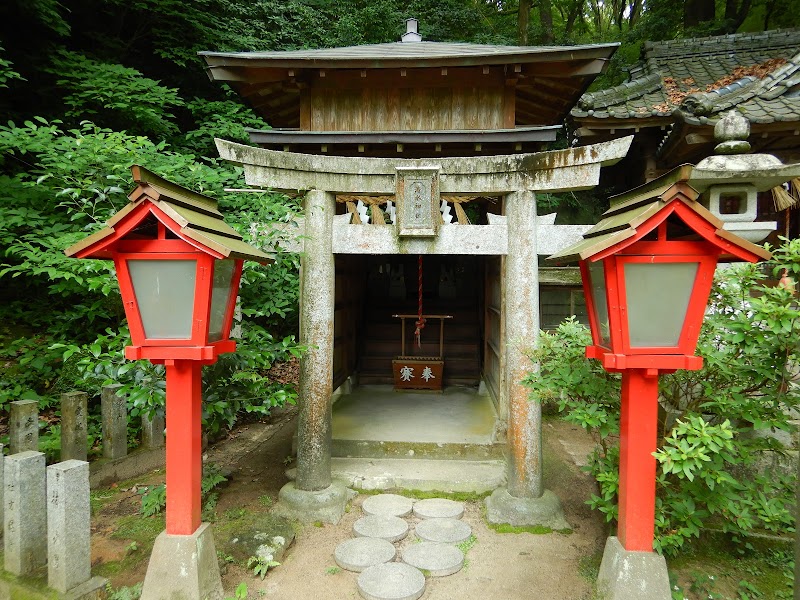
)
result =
(732, 131)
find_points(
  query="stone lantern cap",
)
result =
(732, 164)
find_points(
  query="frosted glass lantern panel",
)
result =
(164, 291)
(220, 295)
(597, 280)
(657, 298)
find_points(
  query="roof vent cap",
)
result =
(411, 34)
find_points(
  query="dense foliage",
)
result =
(89, 87)
(722, 461)
(62, 184)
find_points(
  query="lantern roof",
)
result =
(639, 211)
(192, 217)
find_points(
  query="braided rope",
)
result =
(420, 324)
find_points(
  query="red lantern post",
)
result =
(647, 270)
(179, 267)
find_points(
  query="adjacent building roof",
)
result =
(690, 82)
(672, 70)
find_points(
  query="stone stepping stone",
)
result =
(439, 560)
(438, 508)
(445, 531)
(391, 581)
(362, 553)
(388, 505)
(391, 529)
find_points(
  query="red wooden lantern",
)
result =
(647, 269)
(179, 266)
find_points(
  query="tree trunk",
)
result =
(546, 21)
(741, 15)
(572, 16)
(636, 12)
(523, 18)
(697, 11)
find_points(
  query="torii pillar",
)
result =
(314, 496)
(524, 502)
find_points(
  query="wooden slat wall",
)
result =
(408, 109)
(347, 313)
(493, 334)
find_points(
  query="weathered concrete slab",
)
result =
(391, 529)
(327, 505)
(438, 560)
(267, 536)
(438, 508)
(626, 575)
(104, 472)
(183, 566)
(444, 531)
(363, 552)
(448, 476)
(551, 238)
(388, 505)
(391, 581)
(502, 507)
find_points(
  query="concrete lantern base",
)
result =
(629, 575)
(502, 507)
(326, 505)
(183, 567)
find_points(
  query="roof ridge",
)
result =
(610, 96)
(746, 41)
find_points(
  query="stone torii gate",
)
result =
(513, 235)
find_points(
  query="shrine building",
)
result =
(419, 163)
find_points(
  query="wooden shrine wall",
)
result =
(348, 308)
(493, 329)
(439, 103)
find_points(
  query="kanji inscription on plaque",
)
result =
(417, 196)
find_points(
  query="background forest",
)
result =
(89, 87)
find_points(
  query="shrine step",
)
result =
(378, 449)
(450, 476)
(378, 422)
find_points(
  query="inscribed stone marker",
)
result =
(68, 523)
(115, 422)
(24, 426)
(153, 430)
(73, 426)
(25, 514)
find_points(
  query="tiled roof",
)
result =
(384, 55)
(677, 71)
